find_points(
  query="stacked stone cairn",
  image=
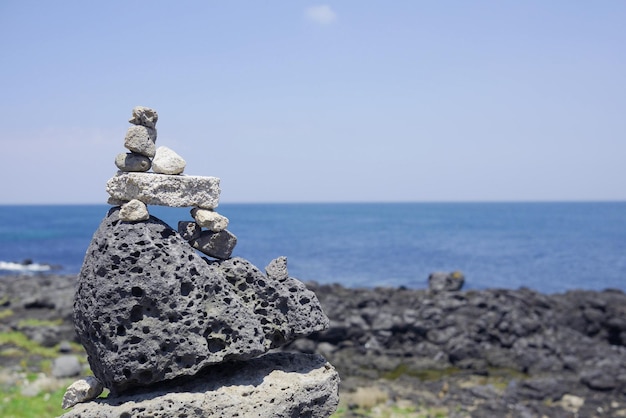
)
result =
(173, 333)
(133, 188)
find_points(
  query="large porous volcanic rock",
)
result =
(275, 385)
(148, 308)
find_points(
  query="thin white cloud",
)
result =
(321, 14)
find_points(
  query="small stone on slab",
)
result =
(141, 139)
(134, 211)
(144, 116)
(167, 161)
(218, 245)
(82, 390)
(165, 190)
(132, 161)
(209, 219)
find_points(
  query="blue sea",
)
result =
(549, 247)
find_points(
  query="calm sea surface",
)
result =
(550, 247)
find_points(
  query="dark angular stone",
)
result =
(215, 244)
(148, 308)
(189, 230)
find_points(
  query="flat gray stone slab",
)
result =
(278, 385)
(166, 190)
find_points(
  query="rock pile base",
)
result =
(276, 385)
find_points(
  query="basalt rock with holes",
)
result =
(150, 309)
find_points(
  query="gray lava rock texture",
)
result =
(275, 385)
(148, 308)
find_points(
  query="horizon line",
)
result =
(346, 202)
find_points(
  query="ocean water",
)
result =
(549, 247)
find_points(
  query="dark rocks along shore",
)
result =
(476, 353)
(537, 347)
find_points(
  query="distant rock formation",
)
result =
(150, 310)
(446, 282)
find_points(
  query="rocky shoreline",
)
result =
(489, 353)
(473, 353)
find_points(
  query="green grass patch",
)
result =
(500, 378)
(46, 404)
(507, 373)
(391, 411)
(422, 374)
(6, 313)
(11, 352)
(33, 322)
(19, 340)
(19, 350)
(340, 412)
(45, 366)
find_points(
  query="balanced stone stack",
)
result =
(133, 187)
(172, 333)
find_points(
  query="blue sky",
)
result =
(298, 101)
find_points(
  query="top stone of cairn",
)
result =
(144, 116)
